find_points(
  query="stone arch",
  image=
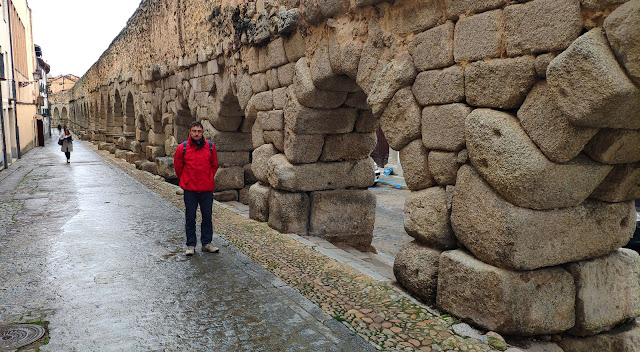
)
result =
(118, 115)
(102, 119)
(129, 115)
(109, 119)
(313, 122)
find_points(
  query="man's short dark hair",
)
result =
(195, 124)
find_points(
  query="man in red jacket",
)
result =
(196, 163)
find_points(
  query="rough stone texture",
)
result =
(366, 122)
(398, 73)
(259, 202)
(357, 99)
(416, 269)
(323, 75)
(623, 339)
(622, 27)
(233, 158)
(443, 126)
(615, 146)
(271, 120)
(243, 195)
(373, 58)
(426, 218)
(260, 158)
(507, 236)
(439, 86)
(310, 96)
(257, 135)
(303, 120)
(295, 48)
(311, 12)
(344, 56)
(230, 195)
(549, 128)
(414, 160)
(319, 176)
(289, 212)
(345, 216)
(591, 87)
(302, 148)
(499, 83)
(276, 138)
(330, 8)
(152, 152)
(607, 291)
(541, 25)
(433, 48)
(542, 62)
(285, 74)
(350, 146)
(621, 184)
(279, 98)
(165, 167)
(229, 178)
(400, 121)
(227, 141)
(600, 4)
(508, 302)
(149, 166)
(249, 177)
(514, 166)
(412, 16)
(456, 8)
(443, 166)
(478, 37)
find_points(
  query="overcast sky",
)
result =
(74, 33)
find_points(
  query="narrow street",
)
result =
(100, 257)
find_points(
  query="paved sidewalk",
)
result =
(99, 257)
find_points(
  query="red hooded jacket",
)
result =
(196, 167)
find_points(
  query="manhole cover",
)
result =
(16, 336)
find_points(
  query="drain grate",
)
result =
(19, 335)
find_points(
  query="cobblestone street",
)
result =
(95, 250)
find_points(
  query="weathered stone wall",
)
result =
(517, 122)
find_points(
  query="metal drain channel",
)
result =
(19, 335)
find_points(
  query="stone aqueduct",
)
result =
(517, 124)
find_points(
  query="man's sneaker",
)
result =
(209, 248)
(190, 251)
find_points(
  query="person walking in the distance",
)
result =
(196, 164)
(67, 143)
(59, 129)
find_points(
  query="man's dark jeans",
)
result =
(191, 201)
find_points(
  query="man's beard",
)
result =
(199, 142)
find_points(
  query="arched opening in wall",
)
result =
(223, 124)
(129, 117)
(56, 116)
(118, 120)
(93, 116)
(142, 129)
(102, 119)
(322, 132)
(109, 132)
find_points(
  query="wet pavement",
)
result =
(99, 256)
